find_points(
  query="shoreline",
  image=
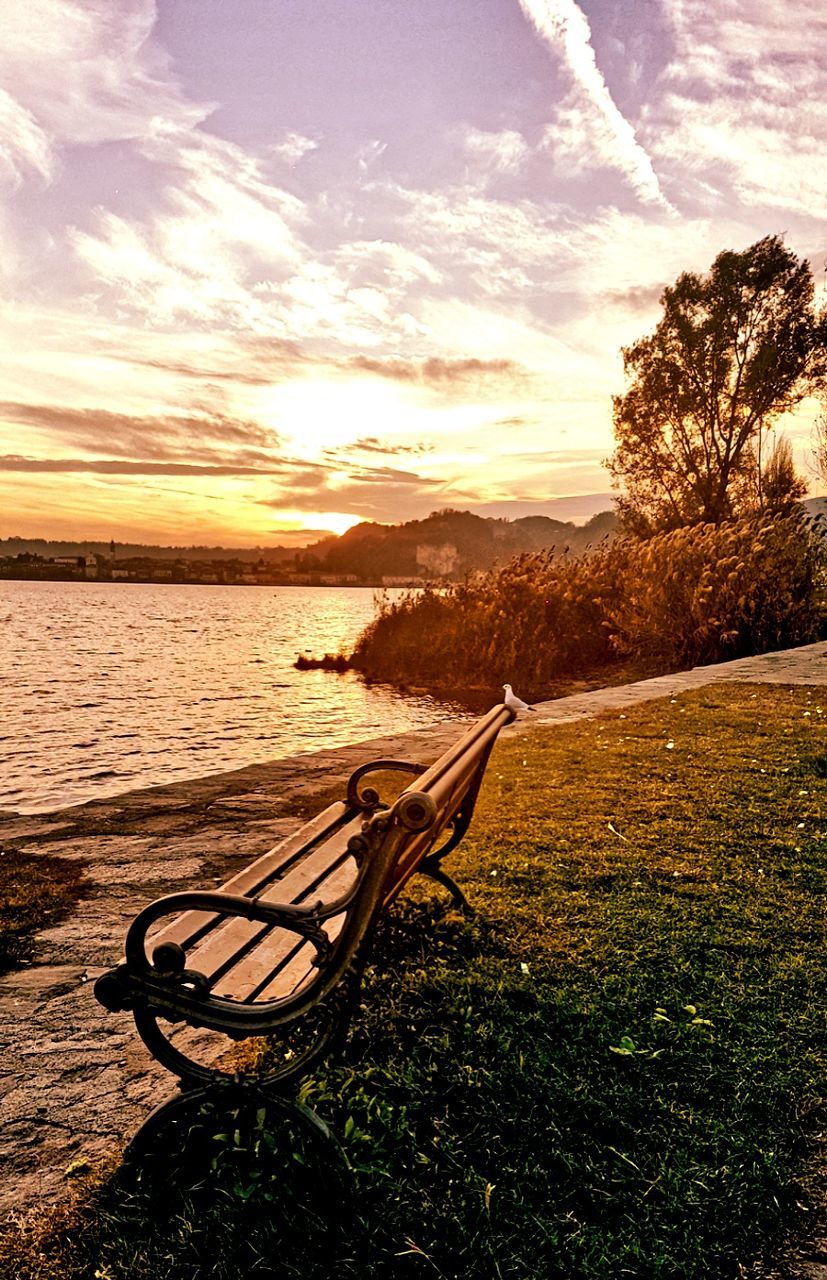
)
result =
(585, 696)
(413, 584)
(470, 703)
(212, 788)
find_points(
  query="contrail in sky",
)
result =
(564, 26)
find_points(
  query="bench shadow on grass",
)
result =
(235, 1184)
(241, 1183)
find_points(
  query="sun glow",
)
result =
(336, 521)
(317, 413)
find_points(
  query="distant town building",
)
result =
(439, 561)
(85, 566)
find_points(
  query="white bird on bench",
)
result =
(513, 702)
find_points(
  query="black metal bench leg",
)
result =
(433, 870)
(185, 1105)
(350, 1001)
(147, 1136)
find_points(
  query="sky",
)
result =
(271, 267)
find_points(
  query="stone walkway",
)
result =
(76, 1082)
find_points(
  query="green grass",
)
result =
(613, 1071)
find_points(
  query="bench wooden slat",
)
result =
(191, 925)
(300, 966)
(261, 965)
(412, 852)
(308, 878)
(245, 960)
(270, 952)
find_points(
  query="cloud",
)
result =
(504, 151)
(220, 228)
(121, 467)
(149, 437)
(440, 373)
(226, 250)
(265, 363)
(252, 361)
(83, 73)
(398, 266)
(590, 120)
(742, 109)
(294, 147)
(370, 153)
(532, 252)
(637, 298)
(23, 143)
(220, 249)
(556, 288)
(372, 444)
(383, 475)
(386, 494)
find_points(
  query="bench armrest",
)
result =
(370, 798)
(303, 920)
(167, 969)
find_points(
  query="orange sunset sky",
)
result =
(274, 268)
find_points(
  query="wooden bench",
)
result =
(278, 950)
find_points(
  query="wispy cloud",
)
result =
(503, 151)
(122, 467)
(368, 495)
(372, 444)
(82, 73)
(220, 227)
(590, 120)
(370, 153)
(24, 145)
(266, 363)
(147, 437)
(294, 147)
(441, 373)
(393, 475)
(742, 111)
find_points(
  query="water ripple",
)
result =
(88, 665)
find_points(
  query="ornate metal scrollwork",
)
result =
(293, 1048)
(369, 798)
(431, 868)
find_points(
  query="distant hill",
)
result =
(447, 544)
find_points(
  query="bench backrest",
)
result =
(396, 840)
(452, 782)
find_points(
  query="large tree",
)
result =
(734, 349)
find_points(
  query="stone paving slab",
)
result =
(75, 1082)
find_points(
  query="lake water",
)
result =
(105, 687)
